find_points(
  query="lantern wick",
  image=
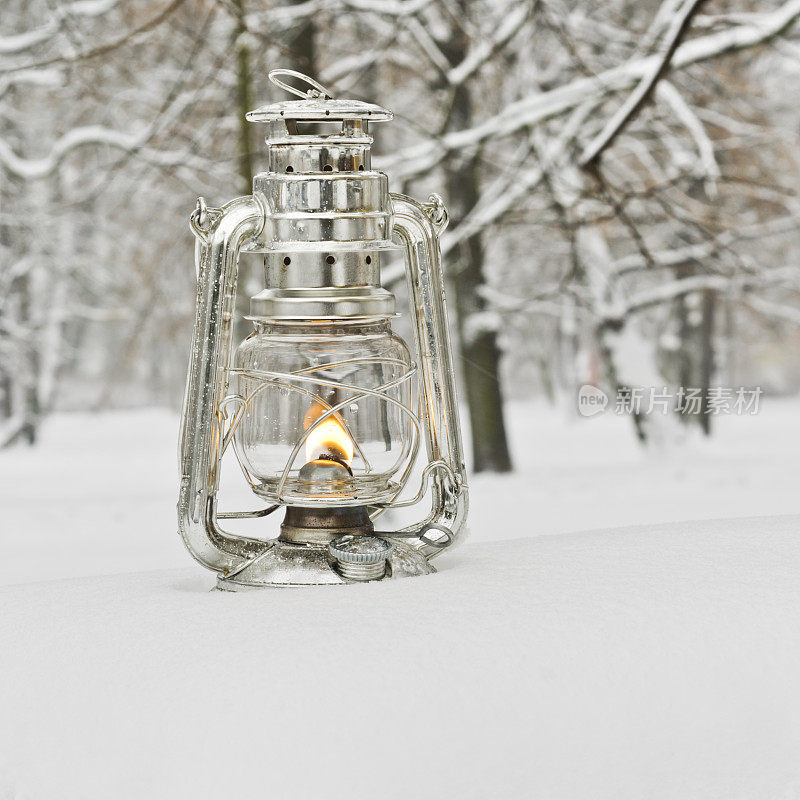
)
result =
(337, 459)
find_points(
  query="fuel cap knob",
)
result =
(360, 558)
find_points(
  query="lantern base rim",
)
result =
(285, 564)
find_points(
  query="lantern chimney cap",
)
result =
(316, 104)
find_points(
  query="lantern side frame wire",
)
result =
(416, 227)
(221, 234)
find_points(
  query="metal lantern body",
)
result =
(324, 406)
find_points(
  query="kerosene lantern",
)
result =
(323, 405)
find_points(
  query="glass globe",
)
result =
(303, 384)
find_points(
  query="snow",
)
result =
(655, 661)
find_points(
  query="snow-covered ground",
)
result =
(657, 661)
(654, 662)
(98, 494)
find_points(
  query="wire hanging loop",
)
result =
(203, 219)
(436, 212)
(316, 91)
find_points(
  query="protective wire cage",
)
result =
(341, 391)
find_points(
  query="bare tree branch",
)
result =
(34, 168)
(103, 49)
(636, 100)
(486, 48)
(419, 159)
(19, 42)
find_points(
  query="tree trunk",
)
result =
(301, 46)
(303, 56)
(31, 407)
(480, 355)
(697, 356)
(245, 165)
(244, 102)
(707, 356)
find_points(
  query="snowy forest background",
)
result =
(622, 179)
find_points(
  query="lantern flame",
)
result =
(327, 438)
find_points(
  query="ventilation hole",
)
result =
(369, 259)
(361, 167)
(287, 261)
(330, 260)
(290, 169)
(327, 168)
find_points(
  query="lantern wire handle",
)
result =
(316, 92)
(417, 227)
